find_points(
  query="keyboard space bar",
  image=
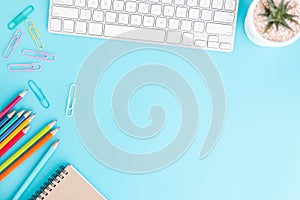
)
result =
(133, 33)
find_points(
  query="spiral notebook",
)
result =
(67, 183)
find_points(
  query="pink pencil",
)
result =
(13, 103)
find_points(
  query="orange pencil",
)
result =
(29, 153)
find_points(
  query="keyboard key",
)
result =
(63, 2)
(192, 2)
(161, 22)
(131, 6)
(181, 12)
(186, 25)
(230, 5)
(188, 39)
(217, 4)
(85, 14)
(136, 20)
(69, 26)
(179, 2)
(221, 29)
(143, 8)
(213, 38)
(174, 37)
(166, 1)
(93, 3)
(80, 3)
(65, 12)
(134, 33)
(111, 17)
(98, 16)
(205, 3)
(199, 27)
(206, 15)
(200, 43)
(155, 9)
(55, 24)
(194, 13)
(148, 21)
(225, 46)
(95, 29)
(123, 18)
(173, 24)
(118, 5)
(169, 11)
(223, 17)
(105, 4)
(81, 27)
(213, 45)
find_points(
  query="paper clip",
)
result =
(24, 67)
(12, 45)
(20, 17)
(34, 34)
(38, 93)
(71, 100)
(39, 55)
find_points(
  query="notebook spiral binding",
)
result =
(49, 185)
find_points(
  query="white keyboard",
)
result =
(204, 24)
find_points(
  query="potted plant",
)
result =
(273, 23)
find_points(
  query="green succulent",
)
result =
(278, 15)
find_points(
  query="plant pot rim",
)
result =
(258, 35)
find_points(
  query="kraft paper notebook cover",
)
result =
(67, 183)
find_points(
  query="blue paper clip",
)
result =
(38, 93)
(71, 100)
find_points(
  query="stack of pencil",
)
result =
(12, 128)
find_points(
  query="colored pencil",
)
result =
(7, 118)
(11, 132)
(36, 170)
(27, 146)
(14, 141)
(27, 154)
(11, 122)
(13, 103)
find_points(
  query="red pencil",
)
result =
(15, 139)
(13, 103)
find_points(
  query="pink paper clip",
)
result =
(12, 45)
(39, 55)
(24, 67)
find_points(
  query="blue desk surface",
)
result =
(257, 156)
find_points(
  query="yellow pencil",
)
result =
(17, 130)
(27, 146)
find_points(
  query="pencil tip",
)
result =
(20, 113)
(24, 93)
(28, 113)
(52, 123)
(11, 114)
(55, 131)
(25, 130)
(55, 143)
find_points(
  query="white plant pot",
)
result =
(256, 37)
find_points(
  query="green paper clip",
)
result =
(39, 94)
(20, 17)
(34, 34)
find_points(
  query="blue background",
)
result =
(257, 156)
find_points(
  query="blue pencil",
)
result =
(7, 118)
(14, 126)
(36, 170)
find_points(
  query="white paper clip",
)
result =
(71, 100)
(12, 45)
(39, 55)
(24, 67)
